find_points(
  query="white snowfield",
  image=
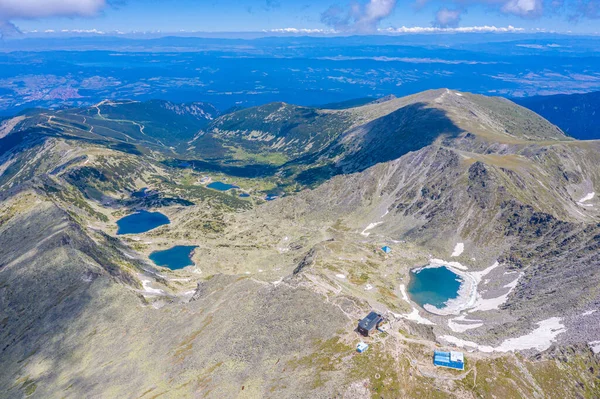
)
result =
(458, 249)
(440, 262)
(462, 324)
(414, 316)
(586, 198)
(149, 290)
(494, 303)
(403, 292)
(369, 227)
(595, 346)
(539, 339)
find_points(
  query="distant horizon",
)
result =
(294, 32)
(246, 69)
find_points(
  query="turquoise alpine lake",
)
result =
(140, 222)
(218, 185)
(174, 258)
(433, 286)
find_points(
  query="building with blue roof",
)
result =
(386, 249)
(452, 360)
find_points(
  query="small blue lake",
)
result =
(140, 222)
(174, 258)
(433, 286)
(244, 195)
(218, 185)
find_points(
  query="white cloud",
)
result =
(404, 29)
(462, 29)
(446, 18)
(300, 31)
(376, 10)
(31, 9)
(8, 29)
(521, 8)
(357, 17)
(524, 8)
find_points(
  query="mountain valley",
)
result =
(289, 259)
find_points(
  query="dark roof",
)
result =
(371, 321)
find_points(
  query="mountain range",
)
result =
(283, 274)
(578, 115)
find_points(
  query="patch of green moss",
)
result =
(29, 387)
(381, 369)
(326, 358)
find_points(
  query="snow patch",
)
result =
(483, 305)
(403, 292)
(369, 227)
(368, 287)
(340, 276)
(589, 312)
(587, 197)
(461, 327)
(440, 262)
(458, 94)
(414, 316)
(540, 339)
(595, 346)
(148, 289)
(458, 249)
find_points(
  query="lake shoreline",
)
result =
(466, 295)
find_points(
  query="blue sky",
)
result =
(362, 16)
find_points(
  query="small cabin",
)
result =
(369, 323)
(386, 249)
(361, 347)
(452, 360)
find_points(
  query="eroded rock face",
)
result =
(481, 185)
(307, 261)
